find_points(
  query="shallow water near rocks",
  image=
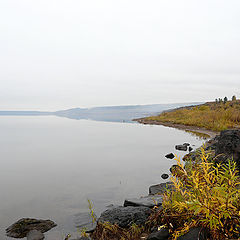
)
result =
(50, 166)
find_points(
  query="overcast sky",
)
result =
(82, 53)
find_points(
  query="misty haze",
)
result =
(119, 119)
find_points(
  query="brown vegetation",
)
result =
(216, 116)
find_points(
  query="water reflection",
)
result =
(50, 166)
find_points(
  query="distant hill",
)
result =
(111, 113)
(118, 113)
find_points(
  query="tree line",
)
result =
(220, 100)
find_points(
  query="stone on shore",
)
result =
(148, 201)
(160, 188)
(164, 176)
(22, 227)
(181, 147)
(197, 233)
(162, 234)
(170, 156)
(126, 216)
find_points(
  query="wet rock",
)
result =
(181, 147)
(35, 235)
(162, 234)
(148, 201)
(170, 156)
(22, 227)
(164, 176)
(126, 216)
(195, 234)
(160, 188)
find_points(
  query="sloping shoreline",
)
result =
(192, 129)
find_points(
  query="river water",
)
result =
(50, 166)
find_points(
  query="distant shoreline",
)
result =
(192, 129)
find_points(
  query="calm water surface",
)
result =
(50, 166)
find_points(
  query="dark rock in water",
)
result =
(162, 234)
(186, 144)
(170, 156)
(149, 201)
(195, 234)
(160, 188)
(190, 149)
(228, 146)
(22, 227)
(126, 216)
(84, 220)
(181, 147)
(35, 235)
(164, 176)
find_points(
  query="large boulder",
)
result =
(228, 146)
(197, 233)
(22, 227)
(126, 216)
(148, 201)
(160, 188)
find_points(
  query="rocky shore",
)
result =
(224, 146)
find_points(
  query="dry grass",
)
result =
(212, 116)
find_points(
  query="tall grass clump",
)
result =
(206, 195)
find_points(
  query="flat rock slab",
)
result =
(126, 216)
(160, 188)
(22, 227)
(148, 201)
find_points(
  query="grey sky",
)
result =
(82, 53)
